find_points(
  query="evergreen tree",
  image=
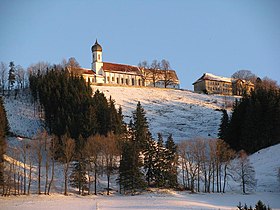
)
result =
(172, 162)
(141, 127)
(12, 75)
(255, 121)
(160, 162)
(131, 177)
(78, 176)
(224, 125)
(149, 159)
(102, 113)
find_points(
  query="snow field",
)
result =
(184, 114)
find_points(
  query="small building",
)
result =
(212, 84)
(125, 75)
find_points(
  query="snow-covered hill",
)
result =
(183, 113)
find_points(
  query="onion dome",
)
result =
(96, 47)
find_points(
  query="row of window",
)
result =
(218, 89)
(219, 84)
(123, 81)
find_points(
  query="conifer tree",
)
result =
(172, 162)
(224, 125)
(12, 76)
(131, 177)
(149, 159)
(141, 127)
(160, 162)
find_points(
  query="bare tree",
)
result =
(3, 75)
(38, 145)
(30, 159)
(111, 152)
(245, 173)
(245, 75)
(20, 76)
(168, 76)
(191, 165)
(24, 156)
(226, 155)
(40, 67)
(93, 150)
(68, 146)
(53, 142)
(72, 63)
(267, 83)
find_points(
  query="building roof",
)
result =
(212, 77)
(121, 68)
(96, 47)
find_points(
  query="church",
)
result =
(105, 73)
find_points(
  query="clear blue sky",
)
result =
(196, 36)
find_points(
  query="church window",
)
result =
(99, 57)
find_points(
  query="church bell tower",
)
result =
(97, 64)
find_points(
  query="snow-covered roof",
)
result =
(212, 77)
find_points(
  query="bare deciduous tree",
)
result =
(40, 67)
(245, 75)
(168, 76)
(68, 147)
(111, 152)
(93, 150)
(245, 173)
(38, 145)
(20, 76)
(3, 75)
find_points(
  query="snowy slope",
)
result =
(267, 163)
(183, 113)
(21, 117)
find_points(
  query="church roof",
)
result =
(121, 68)
(96, 47)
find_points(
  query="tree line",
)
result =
(255, 120)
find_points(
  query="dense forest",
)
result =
(255, 121)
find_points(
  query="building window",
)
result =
(126, 82)
(139, 82)
(122, 80)
(118, 81)
(108, 79)
(132, 81)
(113, 79)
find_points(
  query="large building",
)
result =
(212, 84)
(125, 75)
